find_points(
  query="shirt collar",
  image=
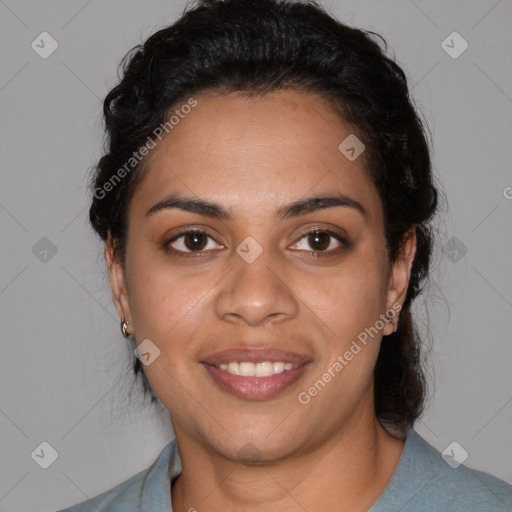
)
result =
(418, 465)
(156, 489)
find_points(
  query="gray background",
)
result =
(65, 375)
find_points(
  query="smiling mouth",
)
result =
(258, 369)
(250, 384)
(255, 373)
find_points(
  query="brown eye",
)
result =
(322, 241)
(319, 241)
(194, 241)
(189, 242)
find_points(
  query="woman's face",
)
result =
(256, 280)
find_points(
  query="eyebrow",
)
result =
(294, 209)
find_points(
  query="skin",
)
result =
(252, 156)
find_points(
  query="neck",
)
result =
(346, 473)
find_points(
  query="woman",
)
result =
(266, 202)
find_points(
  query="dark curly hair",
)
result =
(256, 47)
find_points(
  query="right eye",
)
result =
(189, 241)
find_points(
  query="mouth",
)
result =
(255, 374)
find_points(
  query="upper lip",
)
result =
(254, 355)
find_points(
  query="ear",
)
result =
(400, 274)
(117, 281)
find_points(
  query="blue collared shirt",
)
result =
(422, 481)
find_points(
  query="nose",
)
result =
(257, 292)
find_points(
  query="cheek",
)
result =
(168, 308)
(350, 307)
(160, 298)
(350, 304)
(351, 299)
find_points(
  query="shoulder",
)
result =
(426, 480)
(465, 489)
(124, 496)
(148, 490)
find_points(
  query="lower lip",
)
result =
(255, 388)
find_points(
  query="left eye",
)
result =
(322, 241)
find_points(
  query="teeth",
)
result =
(261, 369)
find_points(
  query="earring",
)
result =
(124, 325)
(395, 324)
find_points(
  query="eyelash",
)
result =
(194, 254)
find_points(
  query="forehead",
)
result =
(261, 151)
